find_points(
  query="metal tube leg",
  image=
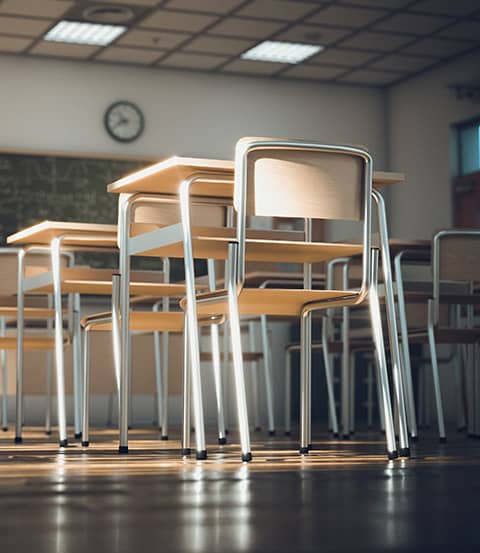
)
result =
(48, 398)
(187, 396)
(397, 369)
(369, 395)
(382, 374)
(267, 364)
(86, 388)
(461, 422)
(288, 392)
(254, 375)
(352, 393)
(158, 378)
(20, 335)
(77, 367)
(305, 375)
(4, 379)
(165, 345)
(217, 376)
(346, 374)
(329, 378)
(410, 399)
(226, 375)
(380, 404)
(435, 375)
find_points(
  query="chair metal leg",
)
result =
(267, 364)
(165, 356)
(59, 360)
(435, 374)
(158, 379)
(187, 396)
(77, 367)
(397, 369)
(86, 388)
(254, 375)
(369, 395)
(48, 394)
(346, 374)
(352, 393)
(305, 376)
(20, 336)
(226, 375)
(4, 379)
(236, 342)
(382, 374)
(288, 392)
(327, 361)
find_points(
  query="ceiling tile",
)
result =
(246, 28)
(275, 9)
(192, 61)
(413, 23)
(23, 26)
(163, 40)
(384, 42)
(345, 57)
(178, 21)
(447, 7)
(128, 55)
(345, 16)
(313, 34)
(212, 6)
(387, 4)
(14, 44)
(398, 62)
(465, 30)
(35, 8)
(216, 45)
(438, 47)
(63, 50)
(316, 72)
(253, 67)
(371, 78)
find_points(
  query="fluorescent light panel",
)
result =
(281, 52)
(76, 32)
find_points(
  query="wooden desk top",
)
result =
(166, 176)
(44, 232)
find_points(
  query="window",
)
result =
(468, 147)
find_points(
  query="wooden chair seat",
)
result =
(248, 356)
(266, 301)
(29, 344)
(86, 280)
(146, 321)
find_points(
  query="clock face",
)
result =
(124, 121)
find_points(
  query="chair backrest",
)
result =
(456, 257)
(285, 178)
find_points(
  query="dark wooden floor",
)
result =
(345, 497)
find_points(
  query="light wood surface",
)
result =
(166, 177)
(36, 343)
(261, 301)
(46, 231)
(28, 312)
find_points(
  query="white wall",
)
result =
(420, 113)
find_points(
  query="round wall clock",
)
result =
(124, 121)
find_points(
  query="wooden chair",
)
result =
(303, 180)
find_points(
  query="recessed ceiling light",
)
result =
(281, 52)
(77, 32)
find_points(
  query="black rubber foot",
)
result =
(227, 432)
(78, 436)
(123, 449)
(222, 441)
(288, 433)
(414, 439)
(186, 451)
(164, 438)
(304, 450)
(130, 427)
(461, 429)
(392, 455)
(246, 457)
(5, 428)
(352, 432)
(159, 429)
(257, 429)
(85, 444)
(63, 443)
(335, 435)
(310, 447)
(48, 432)
(271, 432)
(201, 455)
(404, 452)
(18, 440)
(346, 437)
(443, 440)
